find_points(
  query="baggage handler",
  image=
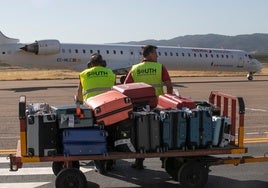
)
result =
(96, 79)
(151, 72)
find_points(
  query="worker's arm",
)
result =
(167, 80)
(79, 93)
(169, 86)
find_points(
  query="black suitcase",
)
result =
(121, 136)
(147, 131)
(42, 135)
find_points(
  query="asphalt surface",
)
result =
(61, 92)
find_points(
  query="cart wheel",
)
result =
(172, 167)
(193, 175)
(59, 165)
(71, 177)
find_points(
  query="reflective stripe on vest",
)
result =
(150, 73)
(96, 80)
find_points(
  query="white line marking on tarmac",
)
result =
(256, 109)
(34, 171)
(16, 185)
(252, 133)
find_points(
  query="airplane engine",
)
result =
(43, 47)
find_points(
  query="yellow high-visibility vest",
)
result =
(96, 80)
(150, 73)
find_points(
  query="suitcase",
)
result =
(84, 141)
(173, 129)
(204, 105)
(221, 131)
(42, 135)
(166, 101)
(68, 117)
(110, 107)
(147, 131)
(83, 135)
(200, 129)
(141, 94)
(72, 149)
(124, 136)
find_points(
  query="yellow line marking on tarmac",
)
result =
(7, 151)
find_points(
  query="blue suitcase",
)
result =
(84, 148)
(174, 127)
(200, 129)
(84, 141)
(83, 135)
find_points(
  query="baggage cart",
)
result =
(189, 167)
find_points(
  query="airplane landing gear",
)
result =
(250, 76)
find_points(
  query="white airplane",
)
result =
(53, 54)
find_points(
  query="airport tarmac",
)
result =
(61, 92)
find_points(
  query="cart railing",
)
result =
(229, 105)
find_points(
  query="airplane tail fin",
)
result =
(5, 40)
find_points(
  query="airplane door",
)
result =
(241, 61)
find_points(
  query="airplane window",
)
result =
(182, 54)
(98, 51)
(121, 52)
(140, 53)
(91, 51)
(222, 56)
(159, 53)
(200, 55)
(165, 53)
(227, 56)
(76, 51)
(189, 55)
(177, 54)
(195, 54)
(171, 54)
(107, 51)
(84, 51)
(114, 52)
(217, 55)
(131, 53)
(211, 55)
(206, 55)
(250, 57)
(3, 52)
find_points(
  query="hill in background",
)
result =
(254, 43)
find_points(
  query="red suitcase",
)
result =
(110, 107)
(173, 101)
(141, 94)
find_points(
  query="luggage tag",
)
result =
(69, 118)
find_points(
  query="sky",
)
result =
(112, 21)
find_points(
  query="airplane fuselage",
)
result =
(52, 54)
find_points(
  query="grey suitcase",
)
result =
(221, 131)
(67, 116)
(147, 131)
(42, 135)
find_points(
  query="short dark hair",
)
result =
(95, 60)
(148, 49)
